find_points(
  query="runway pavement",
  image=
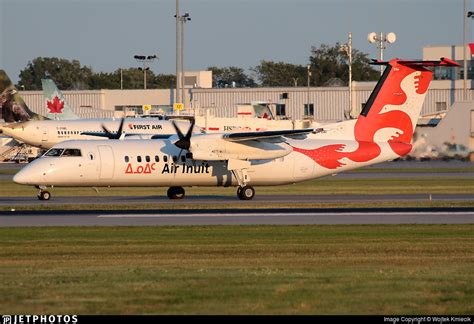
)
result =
(299, 216)
(220, 199)
(249, 216)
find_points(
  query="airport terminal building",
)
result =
(323, 104)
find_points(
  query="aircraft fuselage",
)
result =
(157, 163)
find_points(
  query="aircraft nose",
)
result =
(28, 176)
(21, 177)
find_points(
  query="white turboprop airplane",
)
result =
(382, 132)
(28, 127)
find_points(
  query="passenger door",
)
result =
(107, 163)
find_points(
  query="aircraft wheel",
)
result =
(44, 195)
(176, 193)
(239, 190)
(246, 192)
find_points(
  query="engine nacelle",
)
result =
(214, 148)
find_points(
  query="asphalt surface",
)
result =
(239, 217)
(275, 216)
(220, 200)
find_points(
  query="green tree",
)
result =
(163, 81)
(228, 76)
(330, 62)
(280, 74)
(68, 75)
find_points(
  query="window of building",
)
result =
(441, 106)
(280, 110)
(308, 109)
(190, 81)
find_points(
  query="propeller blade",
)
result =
(106, 131)
(178, 131)
(120, 129)
(111, 135)
(184, 141)
(190, 130)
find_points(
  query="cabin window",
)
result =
(157, 158)
(91, 156)
(54, 152)
(147, 158)
(127, 159)
(183, 158)
(139, 158)
(72, 152)
(175, 158)
(165, 158)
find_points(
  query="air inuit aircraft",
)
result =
(36, 130)
(382, 132)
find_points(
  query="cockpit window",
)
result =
(63, 152)
(72, 152)
(54, 152)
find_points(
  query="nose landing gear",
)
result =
(44, 195)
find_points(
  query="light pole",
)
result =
(469, 14)
(183, 19)
(380, 43)
(348, 49)
(178, 52)
(145, 59)
(308, 68)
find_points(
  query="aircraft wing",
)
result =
(247, 136)
(241, 146)
(98, 134)
(130, 135)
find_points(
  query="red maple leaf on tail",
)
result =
(55, 106)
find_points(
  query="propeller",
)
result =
(184, 141)
(111, 135)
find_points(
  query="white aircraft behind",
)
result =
(382, 132)
(36, 130)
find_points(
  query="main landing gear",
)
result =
(175, 193)
(245, 192)
(43, 194)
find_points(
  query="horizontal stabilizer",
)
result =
(442, 62)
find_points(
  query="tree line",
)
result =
(328, 66)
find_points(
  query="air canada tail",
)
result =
(393, 108)
(12, 107)
(58, 107)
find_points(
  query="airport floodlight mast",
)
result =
(180, 20)
(183, 19)
(469, 14)
(347, 48)
(308, 69)
(145, 59)
(380, 41)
